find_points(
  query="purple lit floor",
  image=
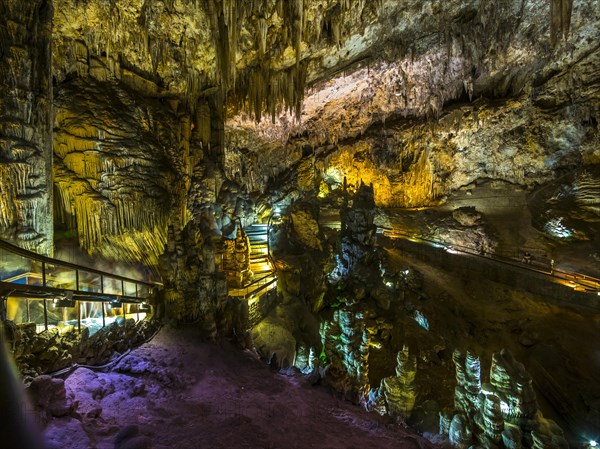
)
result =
(183, 393)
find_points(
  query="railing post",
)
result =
(79, 316)
(122, 287)
(102, 285)
(45, 314)
(44, 275)
(77, 280)
(103, 315)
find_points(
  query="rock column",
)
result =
(26, 124)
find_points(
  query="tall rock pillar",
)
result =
(26, 124)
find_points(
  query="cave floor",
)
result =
(185, 393)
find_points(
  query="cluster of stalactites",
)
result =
(271, 91)
(261, 88)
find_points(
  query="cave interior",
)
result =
(300, 223)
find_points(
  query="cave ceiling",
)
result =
(324, 72)
(418, 97)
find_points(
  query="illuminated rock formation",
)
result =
(26, 125)
(236, 259)
(358, 231)
(399, 391)
(504, 411)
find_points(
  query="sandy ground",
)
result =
(183, 393)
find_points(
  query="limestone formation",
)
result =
(26, 124)
(399, 391)
(502, 412)
(236, 259)
(468, 383)
(358, 231)
(513, 386)
(346, 348)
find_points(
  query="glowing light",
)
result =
(406, 272)
(451, 250)
(389, 284)
(593, 443)
(556, 228)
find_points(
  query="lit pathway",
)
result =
(577, 281)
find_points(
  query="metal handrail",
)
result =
(49, 260)
(554, 272)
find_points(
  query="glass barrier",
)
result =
(14, 268)
(89, 282)
(91, 315)
(60, 315)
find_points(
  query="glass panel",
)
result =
(14, 268)
(51, 271)
(91, 315)
(64, 278)
(60, 315)
(143, 291)
(114, 312)
(130, 288)
(112, 286)
(36, 313)
(89, 282)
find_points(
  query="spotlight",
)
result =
(64, 302)
(144, 307)
(593, 443)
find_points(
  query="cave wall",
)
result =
(459, 91)
(26, 124)
(118, 168)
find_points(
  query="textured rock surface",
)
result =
(508, 97)
(26, 124)
(54, 349)
(503, 411)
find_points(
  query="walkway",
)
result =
(52, 292)
(579, 282)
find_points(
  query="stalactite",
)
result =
(560, 19)
(262, 28)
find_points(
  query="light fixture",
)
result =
(64, 302)
(144, 307)
(593, 443)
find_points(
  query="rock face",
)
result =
(112, 184)
(502, 412)
(54, 349)
(358, 231)
(194, 292)
(26, 125)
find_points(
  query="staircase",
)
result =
(264, 277)
(260, 262)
